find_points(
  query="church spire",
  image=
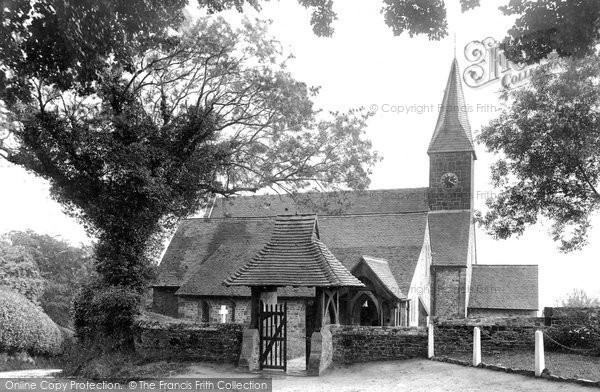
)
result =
(452, 131)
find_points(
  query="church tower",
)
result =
(451, 152)
(451, 160)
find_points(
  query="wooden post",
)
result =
(476, 346)
(254, 302)
(430, 349)
(319, 297)
(540, 363)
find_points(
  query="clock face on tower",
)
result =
(449, 180)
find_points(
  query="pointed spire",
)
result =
(452, 131)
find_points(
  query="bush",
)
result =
(105, 314)
(25, 327)
(575, 337)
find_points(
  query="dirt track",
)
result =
(413, 376)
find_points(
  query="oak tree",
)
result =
(547, 139)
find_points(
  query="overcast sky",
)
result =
(363, 64)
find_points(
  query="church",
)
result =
(414, 250)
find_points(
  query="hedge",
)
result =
(25, 327)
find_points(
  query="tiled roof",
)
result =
(294, 256)
(449, 233)
(504, 287)
(452, 130)
(381, 269)
(207, 279)
(397, 238)
(382, 201)
(197, 239)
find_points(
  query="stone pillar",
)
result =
(476, 346)
(321, 352)
(540, 363)
(249, 357)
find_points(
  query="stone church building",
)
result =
(414, 249)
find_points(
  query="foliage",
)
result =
(105, 314)
(416, 17)
(216, 114)
(571, 28)
(579, 299)
(548, 138)
(89, 363)
(575, 337)
(61, 267)
(24, 327)
(19, 271)
(70, 44)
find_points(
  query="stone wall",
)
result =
(296, 328)
(363, 344)
(576, 328)
(449, 290)
(574, 316)
(497, 334)
(161, 337)
(192, 309)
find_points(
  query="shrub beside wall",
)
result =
(577, 328)
(163, 337)
(355, 343)
(25, 327)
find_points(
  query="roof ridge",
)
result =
(433, 212)
(320, 246)
(506, 265)
(376, 259)
(321, 215)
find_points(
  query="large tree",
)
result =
(548, 139)
(214, 114)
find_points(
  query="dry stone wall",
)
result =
(355, 343)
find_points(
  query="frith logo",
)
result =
(489, 65)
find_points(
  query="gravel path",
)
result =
(414, 375)
(30, 373)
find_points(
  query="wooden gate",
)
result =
(272, 325)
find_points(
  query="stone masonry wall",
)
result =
(449, 292)
(191, 308)
(458, 198)
(355, 343)
(576, 328)
(161, 337)
(497, 335)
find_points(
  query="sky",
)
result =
(401, 79)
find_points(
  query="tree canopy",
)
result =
(571, 28)
(19, 272)
(548, 138)
(216, 112)
(59, 267)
